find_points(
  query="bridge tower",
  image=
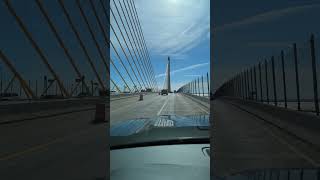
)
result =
(167, 83)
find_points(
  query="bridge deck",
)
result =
(154, 105)
(243, 141)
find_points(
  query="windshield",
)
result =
(173, 98)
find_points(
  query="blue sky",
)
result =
(246, 31)
(179, 29)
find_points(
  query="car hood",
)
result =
(164, 129)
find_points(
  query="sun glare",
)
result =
(173, 1)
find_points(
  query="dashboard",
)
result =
(165, 162)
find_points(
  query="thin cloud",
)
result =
(266, 16)
(183, 69)
(174, 29)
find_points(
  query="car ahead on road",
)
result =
(164, 147)
(164, 91)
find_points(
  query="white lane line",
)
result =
(284, 142)
(165, 103)
(200, 107)
(203, 109)
(292, 148)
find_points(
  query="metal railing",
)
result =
(198, 87)
(288, 79)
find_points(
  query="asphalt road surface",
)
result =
(69, 146)
(242, 142)
(59, 147)
(154, 105)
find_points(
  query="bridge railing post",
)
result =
(202, 86)
(260, 80)
(198, 87)
(284, 80)
(297, 74)
(249, 84)
(240, 85)
(255, 83)
(274, 82)
(208, 85)
(314, 74)
(243, 86)
(267, 84)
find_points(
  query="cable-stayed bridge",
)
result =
(61, 58)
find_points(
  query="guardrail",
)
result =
(288, 79)
(197, 87)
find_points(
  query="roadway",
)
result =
(154, 105)
(59, 147)
(69, 146)
(243, 141)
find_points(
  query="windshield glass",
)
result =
(169, 98)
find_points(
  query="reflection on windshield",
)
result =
(135, 126)
(277, 174)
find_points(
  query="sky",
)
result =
(247, 31)
(179, 29)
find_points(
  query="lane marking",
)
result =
(203, 109)
(198, 105)
(39, 147)
(28, 150)
(292, 148)
(164, 104)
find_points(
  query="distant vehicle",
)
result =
(164, 91)
(8, 96)
(148, 90)
(174, 91)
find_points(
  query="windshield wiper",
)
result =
(163, 142)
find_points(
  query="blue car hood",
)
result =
(134, 126)
(161, 130)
